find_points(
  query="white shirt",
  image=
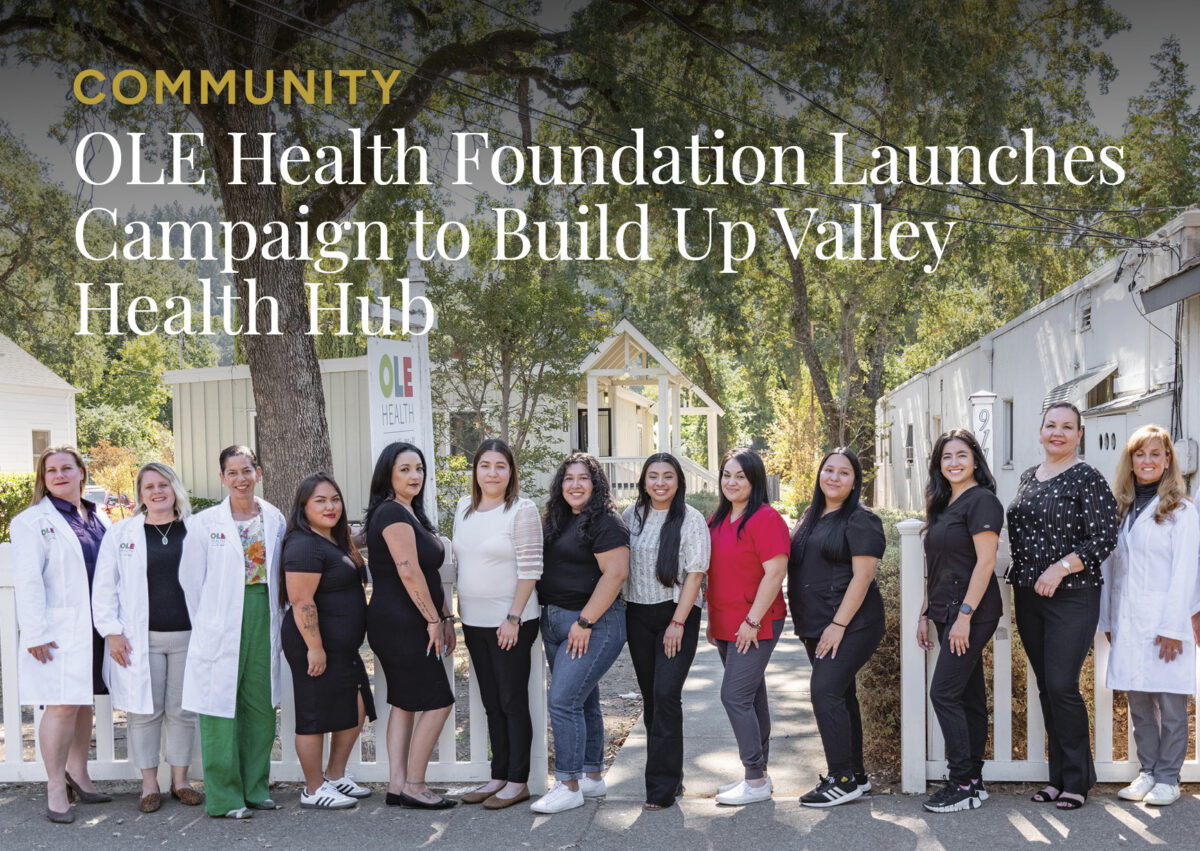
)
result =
(494, 549)
(643, 586)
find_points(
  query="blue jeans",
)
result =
(574, 695)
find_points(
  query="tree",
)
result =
(508, 346)
(114, 468)
(1163, 136)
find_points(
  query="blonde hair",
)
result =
(1171, 490)
(183, 505)
(39, 481)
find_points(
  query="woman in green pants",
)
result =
(230, 573)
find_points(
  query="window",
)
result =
(466, 433)
(1085, 313)
(908, 444)
(937, 427)
(604, 418)
(1103, 392)
(1006, 454)
(41, 442)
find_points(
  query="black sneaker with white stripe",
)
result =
(980, 792)
(864, 782)
(832, 791)
(952, 797)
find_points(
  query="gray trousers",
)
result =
(744, 696)
(1160, 731)
(168, 655)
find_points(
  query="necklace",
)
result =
(161, 532)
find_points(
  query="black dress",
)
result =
(396, 630)
(327, 703)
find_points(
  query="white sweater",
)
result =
(494, 549)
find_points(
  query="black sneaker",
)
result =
(863, 782)
(980, 792)
(832, 791)
(951, 798)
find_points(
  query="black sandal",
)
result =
(1065, 803)
(1041, 796)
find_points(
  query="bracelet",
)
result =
(835, 623)
(450, 618)
(752, 623)
(676, 623)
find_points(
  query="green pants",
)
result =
(237, 750)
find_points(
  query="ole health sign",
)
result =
(398, 390)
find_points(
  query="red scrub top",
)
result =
(736, 569)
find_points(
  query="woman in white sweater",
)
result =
(498, 547)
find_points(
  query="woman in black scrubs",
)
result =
(322, 631)
(1061, 525)
(409, 625)
(962, 602)
(837, 611)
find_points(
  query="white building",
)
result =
(609, 416)
(39, 409)
(1116, 343)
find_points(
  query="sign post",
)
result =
(398, 386)
(983, 422)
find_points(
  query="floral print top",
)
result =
(254, 546)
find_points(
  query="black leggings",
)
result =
(503, 677)
(835, 698)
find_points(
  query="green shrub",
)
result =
(705, 503)
(199, 503)
(16, 489)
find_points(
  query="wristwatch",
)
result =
(966, 609)
(584, 623)
(515, 620)
(1066, 565)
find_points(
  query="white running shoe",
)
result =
(726, 787)
(592, 788)
(558, 799)
(1138, 789)
(1162, 795)
(326, 798)
(348, 787)
(744, 793)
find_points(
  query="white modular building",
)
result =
(1122, 344)
(38, 405)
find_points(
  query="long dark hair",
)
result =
(937, 490)
(494, 444)
(298, 522)
(833, 545)
(667, 567)
(381, 484)
(756, 477)
(558, 513)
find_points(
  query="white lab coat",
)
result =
(51, 584)
(1149, 580)
(213, 575)
(121, 606)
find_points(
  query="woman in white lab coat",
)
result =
(230, 575)
(54, 547)
(138, 603)
(1146, 608)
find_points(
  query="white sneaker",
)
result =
(348, 787)
(727, 787)
(1163, 794)
(744, 793)
(326, 798)
(1138, 789)
(592, 788)
(558, 799)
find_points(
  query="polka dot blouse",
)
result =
(1073, 512)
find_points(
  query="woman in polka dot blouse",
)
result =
(1061, 524)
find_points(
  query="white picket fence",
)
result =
(923, 755)
(447, 768)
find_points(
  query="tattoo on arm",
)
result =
(308, 618)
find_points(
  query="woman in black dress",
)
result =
(321, 633)
(409, 625)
